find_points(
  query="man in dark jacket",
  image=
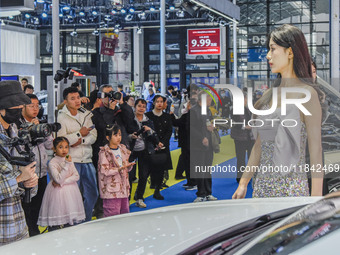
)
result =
(110, 113)
(184, 144)
(202, 154)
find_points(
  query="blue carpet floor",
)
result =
(223, 188)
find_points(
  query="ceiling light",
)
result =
(74, 33)
(152, 8)
(172, 8)
(11, 17)
(40, 1)
(223, 23)
(129, 17)
(96, 32)
(123, 11)
(132, 9)
(66, 8)
(36, 21)
(107, 18)
(61, 15)
(116, 29)
(82, 13)
(70, 18)
(142, 15)
(27, 15)
(113, 11)
(94, 13)
(44, 15)
(180, 14)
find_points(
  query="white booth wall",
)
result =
(20, 53)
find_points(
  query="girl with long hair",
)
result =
(278, 156)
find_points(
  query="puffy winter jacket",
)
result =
(70, 126)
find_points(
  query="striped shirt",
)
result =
(12, 218)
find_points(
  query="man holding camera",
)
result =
(77, 127)
(12, 218)
(29, 115)
(107, 114)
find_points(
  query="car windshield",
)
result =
(311, 224)
(233, 239)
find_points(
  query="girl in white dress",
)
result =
(62, 203)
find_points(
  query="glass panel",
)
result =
(154, 47)
(91, 44)
(156, 68)
(172, 56)
(167, 56)
(201, 57)
(154, 57)
(79, 58)
(207, 66)
(69, 58)
(80, 43)
(173, 46)
(69, 44)
(320, 11)
(321, 37)
(46, 60)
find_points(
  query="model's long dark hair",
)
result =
(289, 36)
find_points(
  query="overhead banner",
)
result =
(108, 46)
(204, 41)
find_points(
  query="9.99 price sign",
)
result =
(204, 41)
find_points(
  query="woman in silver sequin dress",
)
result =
(278, 156)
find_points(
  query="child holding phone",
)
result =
(113, 173)
(62, 202)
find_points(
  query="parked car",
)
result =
(168, 230)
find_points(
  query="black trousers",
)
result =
(180, 165)
(185, 161)
(32, 209)
(241, 147)
(144, 170)
(157, 174)
(204, 183)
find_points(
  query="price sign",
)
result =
(108, 46)
(204, 41)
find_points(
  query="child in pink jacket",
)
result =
(113, 173)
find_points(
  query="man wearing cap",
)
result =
(12, 218)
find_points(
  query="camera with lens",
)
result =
(112, 95)
(140, 131)
(29, 135)
(36, 134)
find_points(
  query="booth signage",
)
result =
(108, 46)
(204, 41)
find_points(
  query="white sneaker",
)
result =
(211, 198)
(199, 199)
(140, 203)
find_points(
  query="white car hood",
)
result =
(166, 230)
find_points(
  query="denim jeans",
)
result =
(88, 187)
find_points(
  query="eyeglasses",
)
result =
(33, 106)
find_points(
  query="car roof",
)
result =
(166, 230)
